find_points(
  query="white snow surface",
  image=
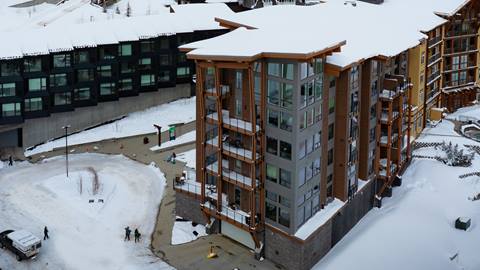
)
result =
(185, 138)
(319, 219)
(182, 232)
(188, 157)
(415, 228)
(83, 235)
(371, 30)
(467, 113)
(137, 123)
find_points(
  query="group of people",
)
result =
(136, 234)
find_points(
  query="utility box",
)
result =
(462, 223)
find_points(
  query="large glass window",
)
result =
(164, 76)
(7, 89)
(61, 60)
(127, 67)
(37, 84)
(85, 75)
(273, 118)
(145, 63)
(9, 68)
(285, 178)
(107, 89)
(331, 105)
(272, 146)
(147, 46)
(107, 53)
(286, 121)
(273, 92)
(32, 64)
(104, 71)
(286, 95)
(11, 109)
(82, 57)
(284, 201)
(125, 84)
(270, 211)
(147, 80)
(165, 60)
(272, 173)
(285, 150)
(284, 217)
(62, 98)
(125, 49)
(81, 93)
(33, 104)
(281, 70)
(183, 72)
(58, 80)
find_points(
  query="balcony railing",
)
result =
(231, 175)
(432, 59)
(460, 49)
(461, 66)
(232, 123)
(433, 77)
(461, 32)
(385, 115)
(224, 89)
(233, 147)
(432, 93)
(235, 215)
(434, 40)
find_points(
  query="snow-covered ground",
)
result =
(83, 235)
(137, 123)
(189, 157)
(471, 112)
(415, 228)
(185, 138)
(183, 231)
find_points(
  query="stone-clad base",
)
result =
(292, 253)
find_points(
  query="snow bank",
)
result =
(415, 228)
(189, 158)
(183, 232)
(83, 235)
(137, 123)
(185, 138)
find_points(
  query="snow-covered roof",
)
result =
(369, 30)
(56, 38)
(23, 238)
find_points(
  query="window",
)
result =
(238, 80)
(284, 217)
(165, 60)
(273, 92)
(270, 211)
(286, 97)
(272, 173)
(301, 177)
(271, 196)
(11, 109)
(238, 107)
(318, 66)
(144, 63)
(272, 146)
(125, 49)
(127, 67)
(183, 72)
(33, 104)
(330, 156)
(317, 139)
(125, 84)
(37, 84)
(9, 68)
(318, 112)
(330, 131)
(316, 166)
(285, 178)
(81, 93)
(285, 150)
(58, 80)
(284, 201)
(62, 98)
(286, 121)
(32, 64)
(332, 82)
(272, 118)
(85, 75)
(310, 116)
(147, 46)
(318, 88)
(61, 61)
(7, 89)
(165, 43)
(181, 57)
(107, 89)
(104, 71)
(164, 76)
(81, 57)
(281, 70)
(147, 80)
(107, 53)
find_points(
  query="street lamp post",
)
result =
(66, 146)
(159, 133)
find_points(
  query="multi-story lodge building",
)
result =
(297, 141)
(50, 77)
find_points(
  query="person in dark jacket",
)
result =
(10, 161)
(45, 233)
(127, 233)
(137, 235)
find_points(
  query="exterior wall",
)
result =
(416, 72)
(187, 207)
(39, 130)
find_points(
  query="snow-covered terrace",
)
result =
(230, 174)
(374, 30)
(234, 122)
(56, 38)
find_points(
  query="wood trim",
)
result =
(231, 24)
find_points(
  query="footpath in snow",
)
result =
(137, 123)
(415, 228)
(83, 235)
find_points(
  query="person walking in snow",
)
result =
(10, 161)
(137, 235)
(45, 233)
(174, 156)
(127, 233)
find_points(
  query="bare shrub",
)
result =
(95, 181)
